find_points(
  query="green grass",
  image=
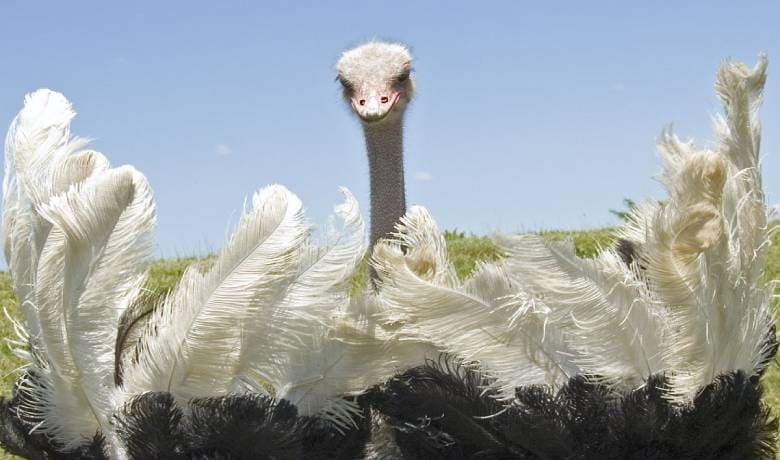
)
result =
(464, 252)
(771, 380)
(8, 362)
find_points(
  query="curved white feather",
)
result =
(618, 331)
(36, 145)
(330, 350)
(726, 324)
(90, 268)
(486, 319)
(703, 250)
(194, 339)
(316, 292)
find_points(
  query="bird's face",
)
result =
(376, 80)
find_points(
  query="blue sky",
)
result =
(528, 115)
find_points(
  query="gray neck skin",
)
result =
(384, 142)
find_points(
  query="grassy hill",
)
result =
(464, 252)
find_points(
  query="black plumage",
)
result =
(445, 412)
(151, 426)
(237, 426)
(440, 410)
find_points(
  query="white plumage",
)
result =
(77, 238)
(704, 249)
(274, 317)
(692, 306)
(486, 320)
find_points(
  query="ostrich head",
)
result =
(376, 80)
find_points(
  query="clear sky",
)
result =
(528, 116)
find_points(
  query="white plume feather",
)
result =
(486, 319)
(194, 340)
(37, 144)
(316, 292)
(703, 250)
(723, 315)
(317, 344)
(90, 267)
(617, 330)
(76, 239)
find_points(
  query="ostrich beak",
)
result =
(374, 106)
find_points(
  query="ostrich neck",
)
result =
(384, 143)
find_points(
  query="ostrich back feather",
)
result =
(77, 236)
(485, 320)
(194, 338)
(609, 318)
(703, 251)
(38, 143)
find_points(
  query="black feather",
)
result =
(645, 422)
(435, 412)
(14, 435)
(627, 251)
(321, 440)
(235, 426)
(243, 426)
(727, 420)
(131, 325)
(771, 346)
(150, 425)
(440, 410)
(444, 412)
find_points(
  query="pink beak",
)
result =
(374, 105)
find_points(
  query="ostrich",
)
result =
(377, 85)
(551, 356)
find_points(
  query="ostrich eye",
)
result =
(403, 77)
(347, 85)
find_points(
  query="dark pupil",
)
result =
(403, 77)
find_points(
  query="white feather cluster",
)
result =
(691, 304)
(274, 312)
(76, 237)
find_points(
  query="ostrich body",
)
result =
(563, 357)
(378, 87)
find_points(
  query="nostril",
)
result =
(362, 102)
(385, 99)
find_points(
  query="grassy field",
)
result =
(464, 252)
